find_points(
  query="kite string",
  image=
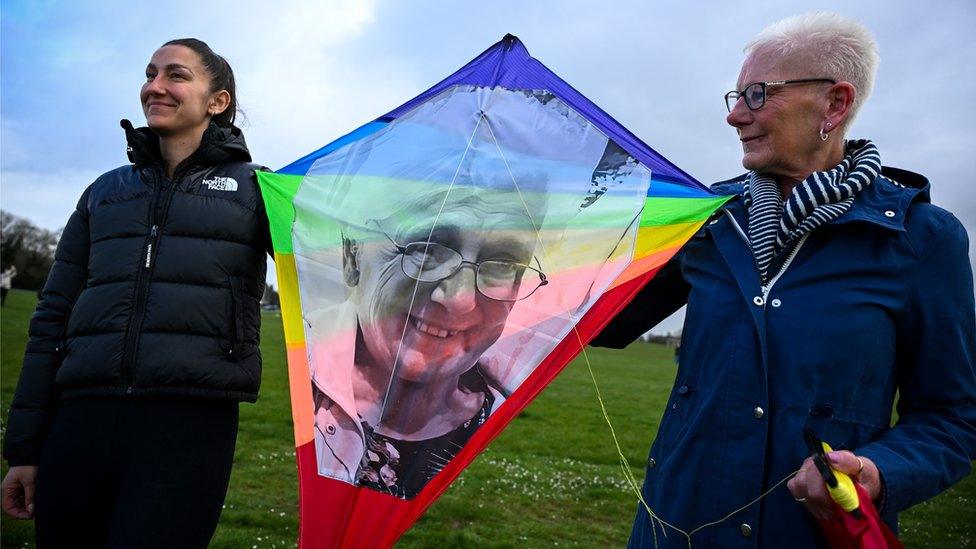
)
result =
(632, 481)
(416, 286)
(624, 463)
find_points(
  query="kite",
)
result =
(439, 266)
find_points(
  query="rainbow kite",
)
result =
(439, 266)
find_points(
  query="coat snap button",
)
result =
(683, 390)
(712, 222)
(651, 463)
(758, 412)
(889, 213)
(776, 303)
(330, 428)
(758, 300)
(745, 529)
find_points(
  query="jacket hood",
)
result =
(884, 202)
(218, 144)
(915, 184)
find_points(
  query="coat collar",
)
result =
(218, 144)
(885, 202)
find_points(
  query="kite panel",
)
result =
(440, 266)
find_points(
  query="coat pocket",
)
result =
(844, 429)
(235, 349)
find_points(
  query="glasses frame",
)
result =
(763, 85)
(401, 250)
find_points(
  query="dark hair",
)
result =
(221, 76)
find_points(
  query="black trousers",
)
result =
(127, 472)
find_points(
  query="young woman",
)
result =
(146, 335)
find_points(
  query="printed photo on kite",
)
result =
(449, 253)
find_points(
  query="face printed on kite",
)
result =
(446, 325)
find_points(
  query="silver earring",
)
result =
(823, 134)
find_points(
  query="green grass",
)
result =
(552, 478)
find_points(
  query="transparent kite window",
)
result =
(413, 246)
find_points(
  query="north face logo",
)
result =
(221, 184)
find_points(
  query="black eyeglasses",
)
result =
(755, 93)
(498, 279)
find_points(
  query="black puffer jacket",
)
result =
(155, 288)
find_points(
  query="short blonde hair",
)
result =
(833, 46)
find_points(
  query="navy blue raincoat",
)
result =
(877, 302)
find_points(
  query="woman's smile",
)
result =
(432, 330)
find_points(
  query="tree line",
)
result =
(30, 249)
(27, 247)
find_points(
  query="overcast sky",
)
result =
(309, 72)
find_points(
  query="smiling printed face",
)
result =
(176, 96)
(450, 324)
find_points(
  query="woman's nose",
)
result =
(739, 114)
(458, 292)
(154, 86)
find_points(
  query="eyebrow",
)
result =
(421, 233)
(513, 247)
(171, 66)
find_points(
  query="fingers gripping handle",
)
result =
(839, 484)
(843, 491)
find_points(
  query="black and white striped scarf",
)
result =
(775, 226)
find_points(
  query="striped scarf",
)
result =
(775, 226)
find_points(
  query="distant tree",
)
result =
(270, 296)
(27, 247)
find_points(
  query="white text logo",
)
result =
(221, 184)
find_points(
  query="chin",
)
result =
(753, 161)
(417, 367)
(159, 126)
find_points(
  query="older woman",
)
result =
(828, 284)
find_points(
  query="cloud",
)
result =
(309, 72)
(308, 86)
(47, 198)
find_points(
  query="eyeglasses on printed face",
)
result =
(755, 93)
(498, 279)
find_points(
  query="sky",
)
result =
(309, 72)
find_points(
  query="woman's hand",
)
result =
(18, 491)
(809, 488)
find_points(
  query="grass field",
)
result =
(552, 478)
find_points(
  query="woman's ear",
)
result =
(841, 101)
(219, 102)
(350, 261)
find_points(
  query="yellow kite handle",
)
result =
(844, 493)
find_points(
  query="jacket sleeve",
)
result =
(36, 398)
(658, 299)
(934, 441)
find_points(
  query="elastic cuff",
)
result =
(897, 481)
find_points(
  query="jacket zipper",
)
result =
(789, 259)
(767, 287)
(143, 280)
